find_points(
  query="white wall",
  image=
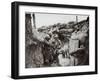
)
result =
(5, 40)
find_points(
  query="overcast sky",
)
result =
(43, 19)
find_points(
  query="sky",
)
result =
(45, 19)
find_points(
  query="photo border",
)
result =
(15, 39)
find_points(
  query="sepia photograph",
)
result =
(56, 40)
